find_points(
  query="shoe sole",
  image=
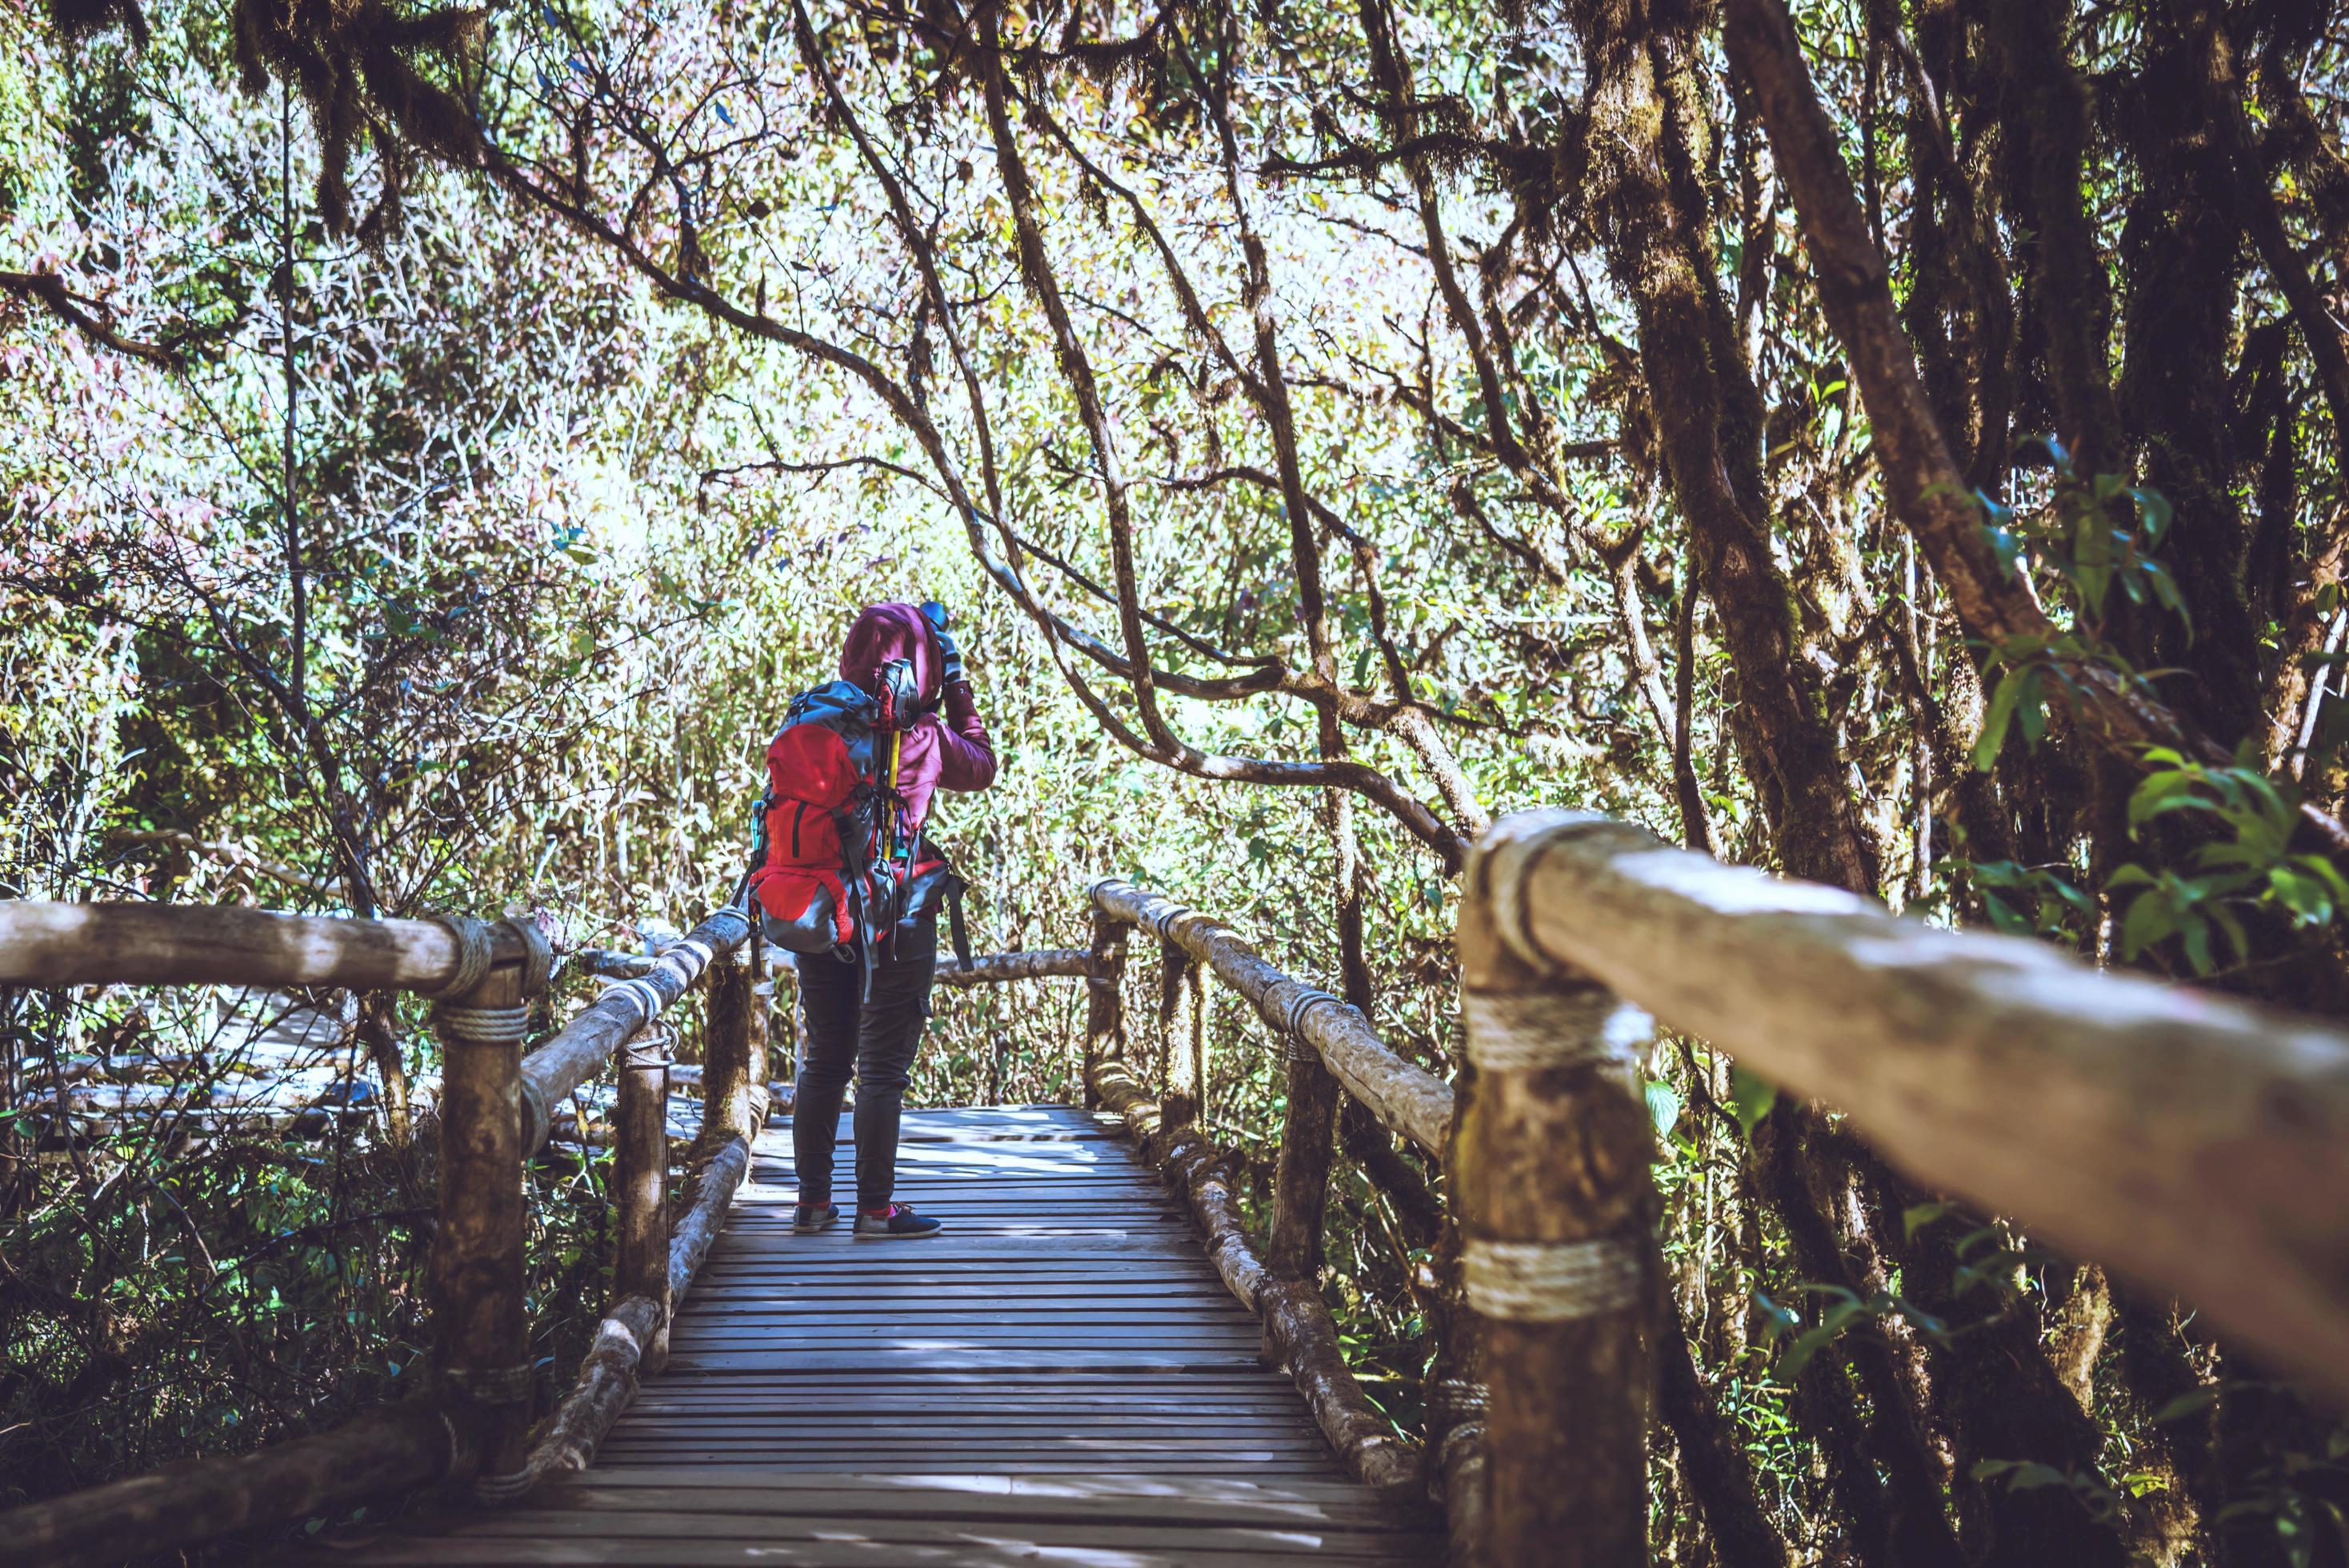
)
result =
(816, 1229)
(895, 1236)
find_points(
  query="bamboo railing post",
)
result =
(478, 1264)
(1104, 1004)
(734, 1091)
(1549, 1179)
(1182, 1032)
(761, 1053)
(1300, 1188)
(1456, 1393)
(640, 1159)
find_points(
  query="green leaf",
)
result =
(1663, 1106)
(2150, 917)
(2167, 791)
(1916, 1216)
(2003, 544)
(2186, 1405)
(2237, 937)
(1751, 1097)
(2005, 917)
(2030, 708)
(2198, 947)
(2020, 1475)
(1994, 724)
(2309, 900)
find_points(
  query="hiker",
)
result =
(845, 876)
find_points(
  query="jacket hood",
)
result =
(885, 632)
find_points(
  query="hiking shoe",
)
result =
(810, 1218)
(898, 1220)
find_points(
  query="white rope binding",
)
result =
(1527, 1031)
(473, 955)
(1552, 1282)
(643, 993)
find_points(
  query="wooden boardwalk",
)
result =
(1058, 1378)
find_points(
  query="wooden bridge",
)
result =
(1103, 1362)
(1059, 1377)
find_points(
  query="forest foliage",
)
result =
(1897, 442)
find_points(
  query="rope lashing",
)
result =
(455, 1020)
(650, 1046)
(537, 957)
(1512, 872)
(459, 1451)
(644, 993)
(1456, 1398)
(1299, 1005)
(511, 1486)
(498, 1387)
(481, 1025)
(1161, 917)
(1552, 1282)
(1288, 1008)
(493, 1384)
(473, 955)
(1527, 1031)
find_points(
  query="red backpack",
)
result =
(832, 857)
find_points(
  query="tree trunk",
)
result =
(1648, 137)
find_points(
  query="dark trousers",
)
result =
(873, 1036)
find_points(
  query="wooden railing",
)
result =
(2193, 1144)
(473, 1427)
(1327, 1046)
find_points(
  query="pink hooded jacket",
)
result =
(947, 749)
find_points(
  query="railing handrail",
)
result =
(453, 1434)
(577, 1052)
(49, 944)
(1406, 1098)
(2194, 1143)
(1327, 1042)
(472, 1423)
(2190, 1143)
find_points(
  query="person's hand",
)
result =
(950, 656)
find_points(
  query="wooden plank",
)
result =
(807, 1430)
(1265, 1540)
(1044, 1292)
(975, 1360)
(1189, 1491)
(1069, 1327)
(758, 1393)
(1042, 1244)
(1156, 1216)
(894, 1430)
(725, 1490)
(1205, 1493)
(1067, 1318)
(1224, 1449)
(810, 1415)
(753, 1393)
(715, 1551)
(954, 1464)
